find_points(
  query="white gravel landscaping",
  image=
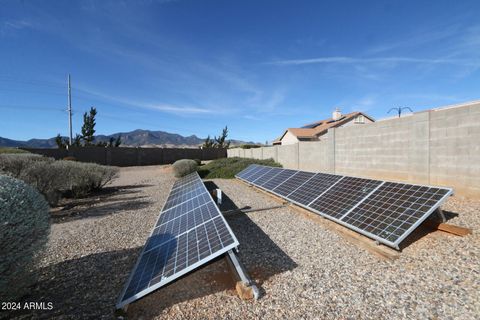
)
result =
(304, 269)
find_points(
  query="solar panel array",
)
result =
(385, 211)
(189, 232)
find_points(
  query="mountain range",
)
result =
(136, 138)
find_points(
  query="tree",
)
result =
(118, 142)
(221, 141)
(88, 128)
(61, 142)
(77, 141)
(208, 143)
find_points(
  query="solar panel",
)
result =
(278, 179)
(294, 182)
(248, 170)
(394, 210)
(187, 234)
(252, 175)
(385, 211)
(267, 176)
(314, 187)
(343, 196)
(182, 197)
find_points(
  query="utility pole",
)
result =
(69, 110)
(399, 110)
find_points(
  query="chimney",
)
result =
(336, 114)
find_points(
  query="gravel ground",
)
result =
(304, 269)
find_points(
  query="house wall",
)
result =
(289, 138)
(352, 123)
(437, 147)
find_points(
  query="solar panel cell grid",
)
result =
(247, 176)
(179, 198)
(247, 170)
(393, 209)
(272, 173)
(385, 211)
(257, 173)
(343, 196)
(278, 179)
(315, 186)
(186, 236)
(293, 183)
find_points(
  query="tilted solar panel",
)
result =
(278, 179)
(182, 197)
(314, 187)
(385, 211)
(253, 174)
(394, 210)
(343, 196)
(248, 170)
(294, 182)
(186, 235)
(267, 176)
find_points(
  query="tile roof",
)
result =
(314, 129)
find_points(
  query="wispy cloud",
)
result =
(177, 109)
(379, 60)
(416, 39)
(8, 27)
(162, 107)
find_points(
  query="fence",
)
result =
(124, 157)
(436, 147)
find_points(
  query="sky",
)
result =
(259, 67)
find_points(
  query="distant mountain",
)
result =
(136, 138)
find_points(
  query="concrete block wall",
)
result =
(436, 147)
(314, 156)
(455, 149)
(288, 155)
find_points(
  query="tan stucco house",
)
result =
(313, 131)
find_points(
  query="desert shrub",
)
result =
(183, 167)
(227, 168)
(57, 178)
(16, 164)
(198, 161)
(24, 229)
(84, 178)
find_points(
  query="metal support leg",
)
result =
(232, 257)
(441, 215)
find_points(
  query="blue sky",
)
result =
(192, 67)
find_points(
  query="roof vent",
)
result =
(336, 115)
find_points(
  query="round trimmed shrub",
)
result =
(24, 229)
(183, 167)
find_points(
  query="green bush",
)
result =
(57, 178)
(227, 168)
(183, 167)
(250, 146)
(198, 161)
(24, 229)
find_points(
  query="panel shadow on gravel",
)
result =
(426, 228)
(86, 287)
(262, 257)
(101, 203)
